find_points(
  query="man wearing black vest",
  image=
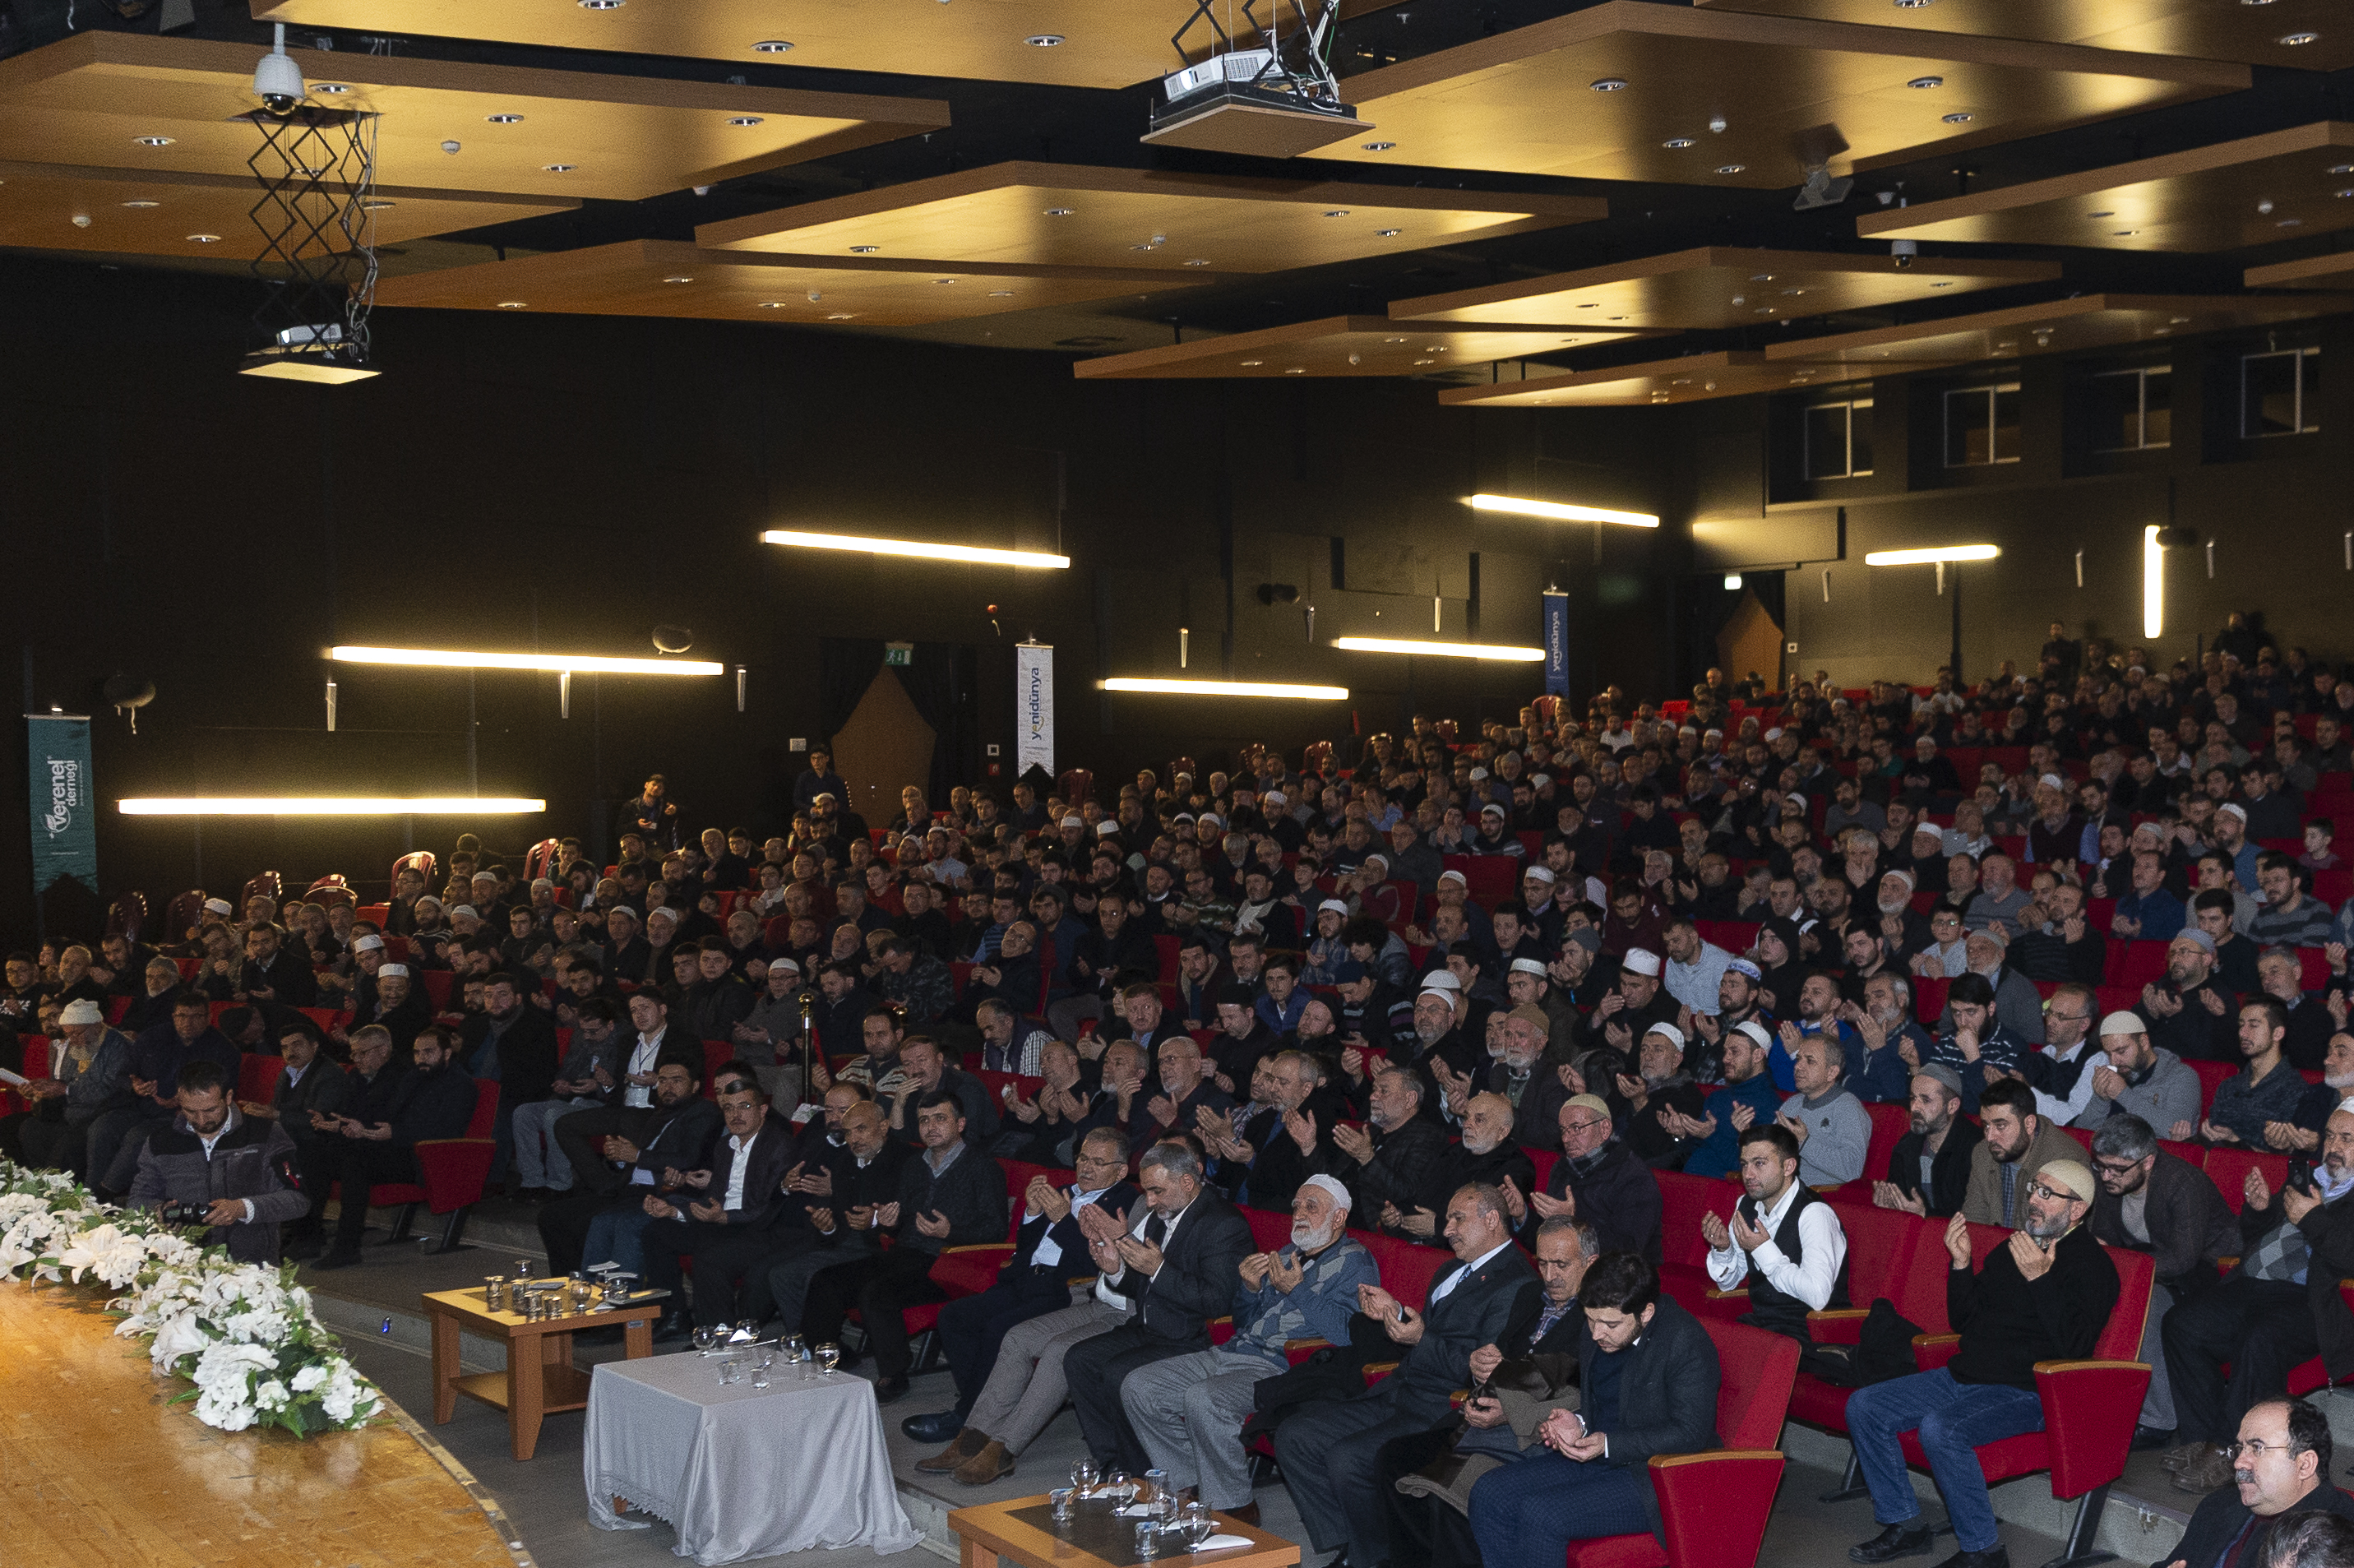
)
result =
(1785, 1245)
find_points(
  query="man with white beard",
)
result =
(1516, 1074)
(1189, 1410)
(1904, 929)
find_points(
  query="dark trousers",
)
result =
(1096, 1368)
(1331, 1455)
(1526, 1513)
(1423, 1530)
(564, 1226)
(362, 1165)
(573, 1133)
(2263, 1326)
(973, 1326)
(878, 1286)
(731, 1272)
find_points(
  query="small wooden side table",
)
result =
(540, 1379)
(1023, 1531)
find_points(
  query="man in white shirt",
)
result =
(629, 1113)
(2061, 1071)
(1784, 1245)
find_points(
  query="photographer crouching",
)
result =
(213, 1166)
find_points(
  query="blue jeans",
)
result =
(1953, 1419)
(618, 1235)
(1526, 1513)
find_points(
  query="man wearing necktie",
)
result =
(1330, 1451)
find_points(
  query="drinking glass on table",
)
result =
(760, 1372)
(1197, 1524)
(1083, 1477)
(828, 1357)
(1155, 1493)
(705, 1337)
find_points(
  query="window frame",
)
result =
(2247, 410)
(1991, 391)
(1851, 405)
(2141, 375)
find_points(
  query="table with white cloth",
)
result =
(741, 1471)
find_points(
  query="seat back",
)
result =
(2121, 1336)
(422, 862)
(1883, 1250)
(1270, 1228)
(437, 988)
(257, 1076)
(268, 885)
(1407, 1268)
(331, 889)
(127, 915)
(2228, 1169)
(1756, 1371)
(182, 915)
(716, 1053)
(2212, 1076)
(538, 858)
(486, 1108)
(1889, 1124)
(1684, 1201)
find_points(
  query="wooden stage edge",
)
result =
(97, 1465)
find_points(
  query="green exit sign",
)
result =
(899, 653)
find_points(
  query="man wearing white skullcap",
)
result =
(1189, 1410)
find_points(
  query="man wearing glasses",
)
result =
(1597, 1179)
(2043, 1296)
(2281, 1468)
(2061, 1072)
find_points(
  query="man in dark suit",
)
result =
(861, 1176)
(1048, 1251)
(1538, 1351)
(1330, 1451)
(515, 1046)
(434, 1099)
(607, 1226)
(1180, 1273)
(1399, 1161)
(2282, 1470)
(724, 1232)
(1647, 1377)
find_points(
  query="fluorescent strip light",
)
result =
(574, 664)
(1227, 689)
(333, 806)
(914, 547)
(1924, 558)
(1443, 650)
(2153, 583)
(1561, 512)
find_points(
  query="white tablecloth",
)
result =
(739, 1471)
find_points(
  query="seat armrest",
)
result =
(1298, 1350)
(1717, 1295)
(1377, 1371)
(1713, 1506)
(2090, 1409)
(1934, 1351)
(1837, 1325)
(1001, 1248)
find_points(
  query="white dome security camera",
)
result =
(278, 80)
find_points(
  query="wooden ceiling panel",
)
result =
(2063, 326)
(44, 206)
(1524, 100)
(2280, 186)
(1339, 345)
(635, 277)
(2195, 29)
(2335, 272)
(1693, 378)
(1021, 214)
(87, 100)
(1719, 287)
(1104, 43)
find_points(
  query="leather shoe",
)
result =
(1993, 1557)
(1910, 1538)
(890, 1389)
(2187, 1453)
(992, 1463)
(969, 1441)
(676, 1324)
(2204, 1473)
(1247, 1514)
(937, 1427)
(2146, 1439)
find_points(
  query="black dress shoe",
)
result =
(1993, 1557)
(891, 1388)
(1907, 1539)
(2148, 1438)
(936, 1428)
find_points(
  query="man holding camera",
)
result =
(215, 1167)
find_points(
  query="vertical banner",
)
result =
(65, 832)
(1556, 642)
(1034, 707)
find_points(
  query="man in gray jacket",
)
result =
(216, 1159)
(89, 1071)
(2144, 1080)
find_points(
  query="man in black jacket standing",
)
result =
(1330, 1450)
(435, 1099)
(1182, 1272)
(2044, 1296)
(1940, 1141)
(1647, 1376)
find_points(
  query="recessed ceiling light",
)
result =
(1338, 212)
(1678, 143)
(1731, 168)
(1388, 233)
(1253, 363)
(1589, 304)
(1042, 40)
(2107, 214)
(1793, 291)
(204, 238)
(1423, 362)
(2124, 233)
(1609, 84)
(841, 316)
(1764, 311)
(1947, 284)
(2342, 169)
(1197, 261)
(2290, 223)
(1378, 146)
(502, 119)
(1913, 4)
(2343, 194)
(1925, 82)
(559, 168)
(944, 280)
(1059, 211)
(1959, 119)
(332, 89)
(1434, 348)
(1001, 293)
(142, 203)
(771, 47)
(681, 279)
(513, 305)
(1296, 370)
(2256, 2)
(1392, 340)
(2298, 41)
(154, 141)
(740, 120)
(2179, 321)
(377, 206)
(772, 304)
(1143, 245)
(601, 4)
(864, 249)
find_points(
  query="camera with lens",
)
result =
(180, 1213)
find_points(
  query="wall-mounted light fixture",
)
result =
(1562, 512)
(558, 663)
(2153, 582)
(920, 549)
(331, 806)
(1442, 650)
(1225, 689)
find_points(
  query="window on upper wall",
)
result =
(2132, 409)
(2280, 394)
(1982, 424)
(1838, 439)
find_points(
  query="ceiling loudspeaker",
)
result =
(1278, 593)
(672, 639)
(2177, 538)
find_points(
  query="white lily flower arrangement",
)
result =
(243, 1334)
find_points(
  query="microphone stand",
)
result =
(809, 1043)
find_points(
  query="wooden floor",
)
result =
(97, 1468)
